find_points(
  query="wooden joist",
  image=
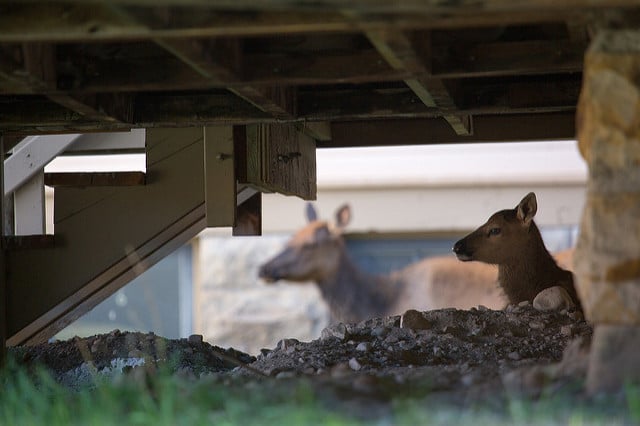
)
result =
(28, 242)
(81, 180)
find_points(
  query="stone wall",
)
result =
(607, 259)
(234, 308)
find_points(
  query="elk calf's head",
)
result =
(501, 239)
(313, 253)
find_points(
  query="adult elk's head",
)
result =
(501, 239)
(313, 253)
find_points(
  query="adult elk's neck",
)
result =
(354, 295)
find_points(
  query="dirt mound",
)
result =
(456, 350)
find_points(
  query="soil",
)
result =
(459, 355)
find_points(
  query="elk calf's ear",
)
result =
(526, 210)
(343, 216)
(311, 213)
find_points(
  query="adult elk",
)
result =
(526, 270)
(318, 253)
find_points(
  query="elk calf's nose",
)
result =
(460, 249)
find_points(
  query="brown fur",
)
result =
(511, 240)
(318, 253)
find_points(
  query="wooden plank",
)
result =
(39, 60)
(476, 97)
(219, 176)
(398, 50)
(86, 179)
(276, 101)
(507, 58)
(4, 324)
(29, 242)
(30, 157)
(194, 109)
(489, 128)
(28, 206)
(95, 20)
(281, 159)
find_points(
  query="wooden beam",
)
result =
(83, 180)
(488, 128)
(4, 323)
(476, 96)
(219, 61)
(280, 159)
(486, 96)
(40, 64)
(465, 60)
(96, 20)
(28, 242)
(399, 52)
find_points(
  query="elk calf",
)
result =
(511, 240)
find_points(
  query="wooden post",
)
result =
(3, 277)
(607, 259)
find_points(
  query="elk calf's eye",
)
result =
(494, 231)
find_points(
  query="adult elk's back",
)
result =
(526, 270)
(318, 253)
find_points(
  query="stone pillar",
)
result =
(607, 259)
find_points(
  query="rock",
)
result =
(536, 325)
(337, 331)
(414, 320)
(553, 299)
(566, 330)
(354, 364)
(195, 339)
(363, 347)
(287, 344)
(379, 331)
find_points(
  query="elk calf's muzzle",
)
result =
(462, 251)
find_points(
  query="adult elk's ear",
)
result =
(312, 214)
(343, 216)
(526, 210)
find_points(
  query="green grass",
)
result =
(161, 399)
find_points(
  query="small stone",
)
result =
(135, 353)
(363, 347)
(482, 308)
(337, 331)
(514, 356)
(379, 331)
(354, 364)
(566, 330)
(524, 303)
(285, 375)
(265, 352)
(414, 320)
(576, 315)
(536, 325)
(195, 338)
(340, 370)
(287, 344)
